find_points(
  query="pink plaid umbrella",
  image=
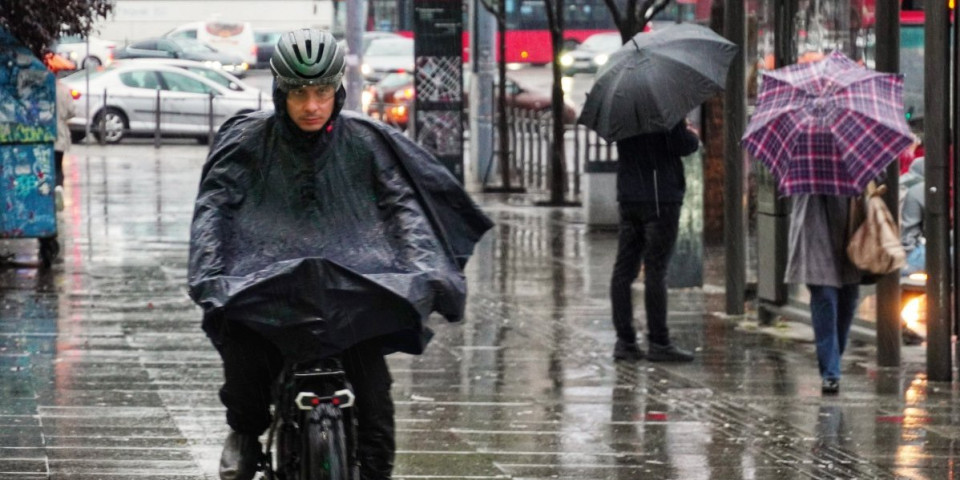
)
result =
(827, 127)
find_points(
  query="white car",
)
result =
(387, 55)
(133, 91)
(233, 37)
(74, 47)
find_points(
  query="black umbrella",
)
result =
(655, 79)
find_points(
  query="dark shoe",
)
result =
(830, 386)
(668, 353)
(627, 351)
(240, 459)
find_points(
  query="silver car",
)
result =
(124, 101)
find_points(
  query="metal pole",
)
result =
(734, 119)
(888, 288)
(86, 75)
(773, 211)
(102, 124)
(482, 65)
(936, 221)
(355, 14)
(156, 122)
(210, 120)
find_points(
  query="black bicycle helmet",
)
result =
(307, 57)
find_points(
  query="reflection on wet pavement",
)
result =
(104, 372)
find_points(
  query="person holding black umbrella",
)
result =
(650, 189)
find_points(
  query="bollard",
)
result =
(210, 120)
(259, 100)
(102, 124)
(156, 122)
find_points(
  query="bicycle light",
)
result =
(309, 400)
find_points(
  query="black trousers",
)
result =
(58, 164)
(647, 236)
(251, 364)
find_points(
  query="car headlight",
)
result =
(601, 59)
(566, 60)
(365, 98)
(366, 69)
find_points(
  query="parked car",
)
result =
(590, 54)
(132, 90)
(231, 37)
(387, 55)
(212, 73)
(74, 48)
(184, 48)
(266, 44)
(391, 99)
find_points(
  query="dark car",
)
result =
(266, 43)
(184, 48)
(391, 99)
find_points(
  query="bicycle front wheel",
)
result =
(326, 452)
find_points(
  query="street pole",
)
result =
(482, 66)
(936, 215)
(354, 59)
(888, 288)
(734, 118)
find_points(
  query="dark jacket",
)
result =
(650, 169)
(320, 241)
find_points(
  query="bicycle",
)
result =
(313, 428)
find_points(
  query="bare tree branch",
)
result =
(614, 12)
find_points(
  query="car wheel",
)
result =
(91, 62)
(112, 123)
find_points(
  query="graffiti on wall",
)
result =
(27, 95)
(26, 191)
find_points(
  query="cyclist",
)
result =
(309, 181)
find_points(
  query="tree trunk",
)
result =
(503, 131)
(557, 163)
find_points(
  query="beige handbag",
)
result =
(875, 244)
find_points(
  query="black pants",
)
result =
(251, 364)
(58, 164)
(648, 237)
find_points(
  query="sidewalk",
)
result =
(104, 372)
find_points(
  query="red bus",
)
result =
(527, 36)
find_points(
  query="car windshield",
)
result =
(81, 75)
(396, 79)
(193, 46)
(602, 43)
(390, 47)
(71, 39)
(215, 76)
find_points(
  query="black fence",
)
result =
(530, 143)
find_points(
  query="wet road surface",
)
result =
(104, 372)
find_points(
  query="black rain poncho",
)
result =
(319, 241)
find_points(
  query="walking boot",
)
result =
(668, 353)
(241, 456)
(627, 351)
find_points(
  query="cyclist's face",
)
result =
(310, 107)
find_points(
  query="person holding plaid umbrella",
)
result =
(825, 129)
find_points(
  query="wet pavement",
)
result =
(104, 372)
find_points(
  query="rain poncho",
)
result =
(319, 241)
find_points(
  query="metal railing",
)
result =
(530, 143)
(99, 125)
